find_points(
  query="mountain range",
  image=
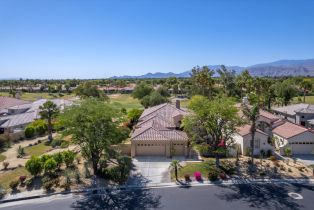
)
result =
(274, 69)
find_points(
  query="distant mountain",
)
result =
(185, 74)
(284, 68)
(274, 69)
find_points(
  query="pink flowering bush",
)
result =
(198, 176)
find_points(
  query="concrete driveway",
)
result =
(305, 159)
(151, 170)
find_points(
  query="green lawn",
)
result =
(125, 101)
(10, 175)
(190, 168)
(38, 149)
(308, 99)
(2, 158)
(35, 96)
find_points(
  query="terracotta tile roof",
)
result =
(246, 129)
(6, 102)
(157, 123)
(268, 115)
(288, 130)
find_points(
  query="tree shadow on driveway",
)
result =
(264, 196)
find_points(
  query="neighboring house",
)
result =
(6, 102)
(301, 114)
(298, 138)
(158, 132)
(243, 139)
(18, 117)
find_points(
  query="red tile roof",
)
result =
(246, 129)
(288, 130)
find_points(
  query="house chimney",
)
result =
(178, 104)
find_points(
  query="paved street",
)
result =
(244, 196)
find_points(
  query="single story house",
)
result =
(301, 114)
(18, 117)
(243, 139)
(298, 138)
(158, 132)
(6, 102)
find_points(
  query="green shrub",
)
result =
(228, 167)
(65, 144)
(2, 192)
(29, 132)
(213, 174)
(247, 151)
(68, 158)
(58, 157)
(34, 166)
(56, 143)
(269, 153)
(29, 182)
(13, 184)
(205, 150)
(20, 152)
(50, 165)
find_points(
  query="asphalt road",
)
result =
(244, 196)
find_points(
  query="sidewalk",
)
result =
(41, 193)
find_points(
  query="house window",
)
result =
(256, 143)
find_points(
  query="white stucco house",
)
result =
(298, 138)
(243, 139)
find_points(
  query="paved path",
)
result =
(235, 197)
(11, 153)
(305, 159)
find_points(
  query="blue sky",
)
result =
(97, 39)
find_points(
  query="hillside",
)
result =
(274, 69)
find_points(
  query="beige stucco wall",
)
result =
(261, 142)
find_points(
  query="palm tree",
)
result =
(48, 111)
(305, 85)
(251, 113)
(175, 164)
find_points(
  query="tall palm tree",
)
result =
(175, 164)
(48, 111)
(305, 85)
(251, 113)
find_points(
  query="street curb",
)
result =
(171, 184)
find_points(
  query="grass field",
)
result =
(125, 101)
(2, 158)
(38, 149)
(308, 100)
(35, 96)
(12, 175)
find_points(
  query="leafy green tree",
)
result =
(49, 111)
(87, 90)
(285, 91)
(202, 78)
(244, 82)
(218, 118)
(251, 114)
(142, 90)
(153, 99)
(175, 164)
(163, 91)
(227, 79)
(34, 166)
(134, 115)
(93, 125)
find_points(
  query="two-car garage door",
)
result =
(158, 149)
(151, 149)
(302, 149)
